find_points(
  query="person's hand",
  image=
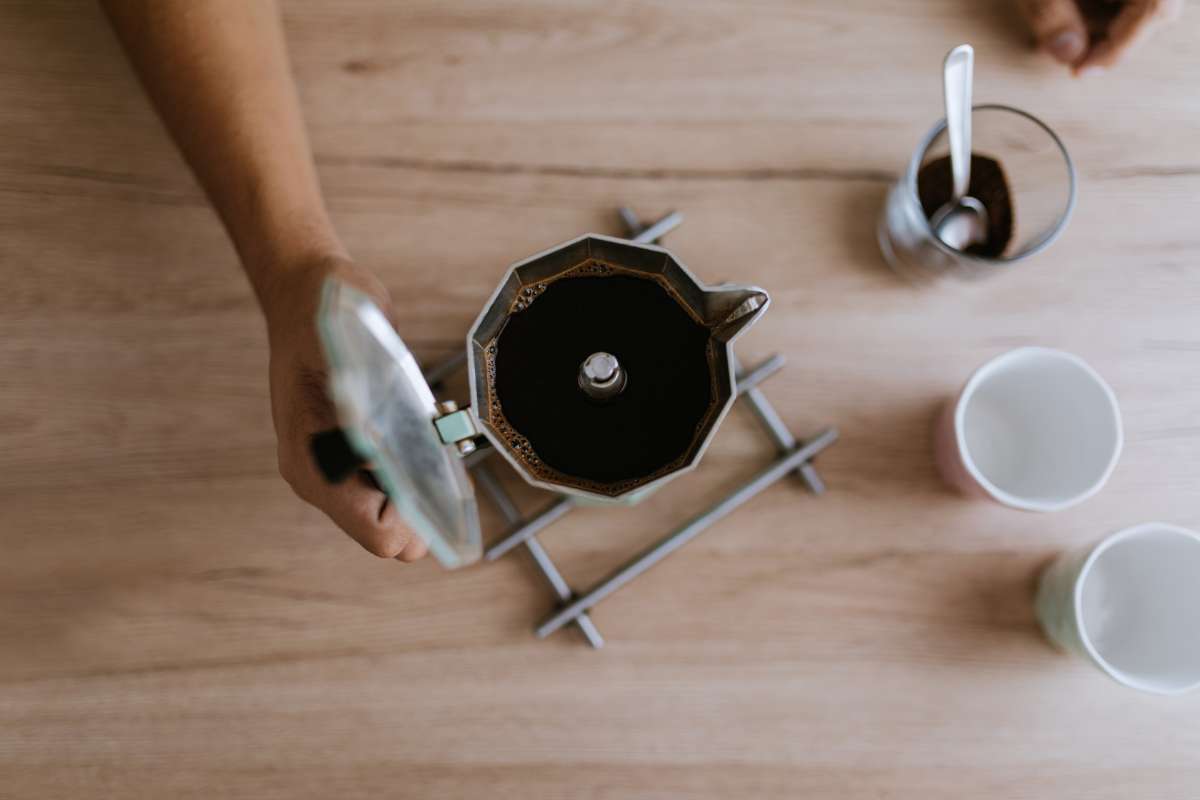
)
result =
(1092, 35)
(301, 407)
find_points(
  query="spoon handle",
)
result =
(957, 75)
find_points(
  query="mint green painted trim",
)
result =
(456, 426)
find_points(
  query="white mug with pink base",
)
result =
(1035, 429)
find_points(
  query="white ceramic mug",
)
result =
(1131, 605)
(1034, 428)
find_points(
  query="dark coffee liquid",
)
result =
(988, 186)
(662, 348)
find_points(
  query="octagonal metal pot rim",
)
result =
(638, 492)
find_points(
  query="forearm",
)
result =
(218, 73)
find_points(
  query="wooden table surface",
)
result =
(174, 623)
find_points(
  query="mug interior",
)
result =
(1138, 607)
(1039, 429)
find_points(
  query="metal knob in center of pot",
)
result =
(588, 438)
(601, 377)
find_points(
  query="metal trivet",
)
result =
(794, 458)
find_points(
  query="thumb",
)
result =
(1058, 28)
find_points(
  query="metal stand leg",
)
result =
(766, 415)
(748, 380)
(486, 480)
(651, 233)
(529, 528)
(691, 530)
(438, 373)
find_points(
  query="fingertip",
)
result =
(371, 524)
(392, 539)
(1096, 62)
(1066, 46)
(385, 547)
(415, 550)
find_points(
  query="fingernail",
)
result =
(1067, 46)
(1091, 72)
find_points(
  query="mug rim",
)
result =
(1097, 550)
(1001, 495)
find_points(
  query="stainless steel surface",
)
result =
(601, 377)
(729, 309)
(957, 75)
(748, 379)
(600, 368)
(530, 527)
(656, 230)
(584, 621)
(749, 304)
(961, 224)
(631, 222)
(962, 221)
(740, 307)
(769, 418)
(689, 531)
(483, 451)
(486, 479)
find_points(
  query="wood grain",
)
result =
(173, 623)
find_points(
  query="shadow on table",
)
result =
(891, 452)
(979, 603)
(989, 609)
(1004, 19)
(863, 206)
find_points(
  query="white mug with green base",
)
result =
(1131, 605)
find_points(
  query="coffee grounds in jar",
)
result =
(988, 185)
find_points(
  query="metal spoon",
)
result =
(963, 220)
